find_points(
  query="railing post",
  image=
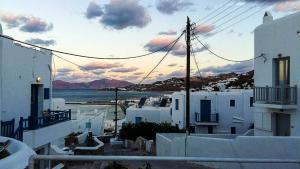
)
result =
(267, 94)
(21, 129)
(69, 114)
(295, 94)
(217, 117)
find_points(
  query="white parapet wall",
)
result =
(19, 155)
(42, 136)
(240, 147)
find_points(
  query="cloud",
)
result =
(99, 72)
(25, 23)
(37, 41)
(172, 65)
(169, 32)
(93, 11)
(237, 68)
(124, 70)
(138, 73)
(287, 6)
(268, 1)
(120, 14)
(169, 7)
(65, 70)
(132, 78)
(179, 48)
(204, 29)
(101, 65)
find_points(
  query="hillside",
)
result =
(231, 80)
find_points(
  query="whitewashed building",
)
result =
(25, 96)
(151, 111)
(277, 76)
(215, 112)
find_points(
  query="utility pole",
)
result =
(116, 112)
(187, 80)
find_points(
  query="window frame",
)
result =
(232, 103)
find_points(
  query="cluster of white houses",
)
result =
(229, 111)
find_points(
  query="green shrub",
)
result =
(146, 130)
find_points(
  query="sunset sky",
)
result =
(124, 28)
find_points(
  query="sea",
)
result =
(89, 95)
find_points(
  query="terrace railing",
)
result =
(282, 95)
(32, 123)
(212, 118)
(50, 118)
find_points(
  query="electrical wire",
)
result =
(195, 60)
(86, 56)
(169, 50)
(237, 22)
(214, 11)
(221, 57)
(218, 14)
(81, 67)
(233, 24)
(230, 19)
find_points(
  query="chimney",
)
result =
(268, 17)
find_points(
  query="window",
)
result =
(282, 71)
(138, 120)
(46, 93)
(176, 104)
(232, 103)
(251, 101)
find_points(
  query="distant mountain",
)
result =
(96, 84)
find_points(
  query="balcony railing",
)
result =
(282, 95)
(212, 118)
(32, 123)
(50, 118)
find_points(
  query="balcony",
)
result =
(281, 97)
(209, 120)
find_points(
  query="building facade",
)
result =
(276, 76)
(25, 96)
(154, 110)
(215, 112)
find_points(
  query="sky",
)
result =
(125, 28)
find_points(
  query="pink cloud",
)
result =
(287, 6)
(102, 65)
(204, 29)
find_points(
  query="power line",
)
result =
(81, 67)
(239, 21)
(214, 11)
(195, 60)
(169, 50)
(233, 24)
(224, 10)
(232, 18)
(86, 56)
(221, 57)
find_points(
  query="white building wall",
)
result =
(149, 114)
(258, 147)
(271, 39)
(178, 116)
(1, 79)
(220, 103)
(20, 68)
